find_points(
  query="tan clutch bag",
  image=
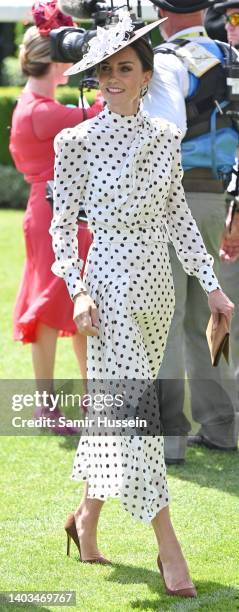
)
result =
(218, 339)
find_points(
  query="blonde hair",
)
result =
(35, 53)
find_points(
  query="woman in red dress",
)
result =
(43, 309)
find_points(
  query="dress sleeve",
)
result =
(183, 231)
(70, 179)
(58, 117)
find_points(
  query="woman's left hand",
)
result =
(219, 303)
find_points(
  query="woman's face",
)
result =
(121, 79)
(232, 31)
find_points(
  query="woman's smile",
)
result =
(114, 90)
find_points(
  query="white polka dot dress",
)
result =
(126, 172)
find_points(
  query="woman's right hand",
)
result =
(86, 315)
(229, 248)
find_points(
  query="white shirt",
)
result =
(170, 82)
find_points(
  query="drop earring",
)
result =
(143, 91)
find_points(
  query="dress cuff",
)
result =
(72, 279)
(208, 279)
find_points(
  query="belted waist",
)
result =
(141, 234)
(202, 180)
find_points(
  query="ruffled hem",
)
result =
(156, 504)
(136, 462)
(26, 332)
(97, 493)
(41, 310)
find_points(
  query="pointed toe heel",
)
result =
(186, 592)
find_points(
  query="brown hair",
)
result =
(145, 53)
(35, 53)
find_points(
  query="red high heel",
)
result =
(187, 592)
(71, 531)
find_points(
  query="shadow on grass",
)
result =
(211, 469)
(209, 593)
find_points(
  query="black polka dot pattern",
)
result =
(127, 173)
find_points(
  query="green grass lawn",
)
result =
(37, 494)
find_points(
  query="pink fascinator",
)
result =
(48, 16)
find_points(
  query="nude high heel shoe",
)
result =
(71, 531)
(187, 592)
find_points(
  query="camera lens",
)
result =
(71, 47)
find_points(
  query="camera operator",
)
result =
(43, 309)
(187, 88)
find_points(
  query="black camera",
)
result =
(232, 78)
(69, 44)
(231, 69)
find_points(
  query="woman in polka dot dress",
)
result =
(126, 170)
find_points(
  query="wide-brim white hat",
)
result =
(111, 40)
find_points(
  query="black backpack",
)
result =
(211, 86)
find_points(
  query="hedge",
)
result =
(14, 190)
(11, 74)
(8, 99)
